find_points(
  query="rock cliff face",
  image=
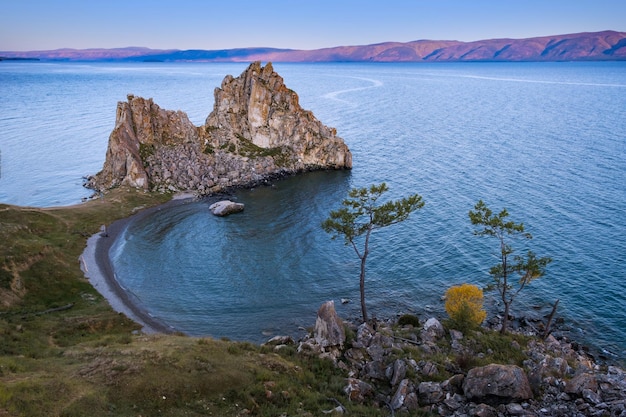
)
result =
(256, 130)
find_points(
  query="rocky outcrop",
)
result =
(256, 131)
(417, 369)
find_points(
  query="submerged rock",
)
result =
(256, 131)
(225, 207)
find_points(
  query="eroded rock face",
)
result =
(257, 130)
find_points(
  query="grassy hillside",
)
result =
(65, 352)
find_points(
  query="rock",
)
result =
(429, 393)
(411, 402)
(433, 330)
(581, 382)
(358, 390)
(225, 207)
(454, 384)
(364, 336)
(428, 369)
(256, 131)
(374, 370)
(279, 340)
(381, 355)
(515, 409)
(454, 402)
(329, 330)
(484, 410)
(591, 397)
(498, 382)
(397, 401)
(398, 372)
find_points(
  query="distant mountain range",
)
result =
(589, 46)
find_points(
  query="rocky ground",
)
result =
(405, 369)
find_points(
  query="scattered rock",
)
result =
(401, 393)
(397, 371)
(279, 340)
(382, 373)
(358, 390)
(432, 331)
(429, 393)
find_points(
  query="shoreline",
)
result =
(98, 269)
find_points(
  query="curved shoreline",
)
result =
(98, 269)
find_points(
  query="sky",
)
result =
(295, 24)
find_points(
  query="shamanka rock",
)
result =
(256, 131)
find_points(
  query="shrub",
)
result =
(464, 305)
(409, 319)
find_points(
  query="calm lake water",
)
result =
(545, 140)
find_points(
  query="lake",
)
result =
(545, 140)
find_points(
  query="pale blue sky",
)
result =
(312, 24)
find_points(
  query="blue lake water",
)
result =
(545, 140)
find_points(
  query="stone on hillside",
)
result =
(581, 382)
(433, 330)
(396, 372)
(329, 330)
(497, 382)
(364, 336)
(484, 410)
(429, 393)
(279, 340)
(358, 390)
(397, 401)
(225, 207)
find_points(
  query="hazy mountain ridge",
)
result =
(588, 46)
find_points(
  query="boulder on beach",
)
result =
(225, 207)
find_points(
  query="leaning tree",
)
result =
(361, 214)
(527, 267)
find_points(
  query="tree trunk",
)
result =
(505, 320)
(362, 287)
(547, 330)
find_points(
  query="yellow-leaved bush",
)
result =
(464, 305)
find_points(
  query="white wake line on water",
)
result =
(519, 80)
(333, 95)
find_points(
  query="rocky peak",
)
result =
(257, 108)
(256, 130)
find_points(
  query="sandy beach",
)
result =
(96, 265)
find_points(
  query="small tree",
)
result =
(528, 267)
(362, 214)
(464, 305)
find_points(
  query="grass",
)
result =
(65, 352)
